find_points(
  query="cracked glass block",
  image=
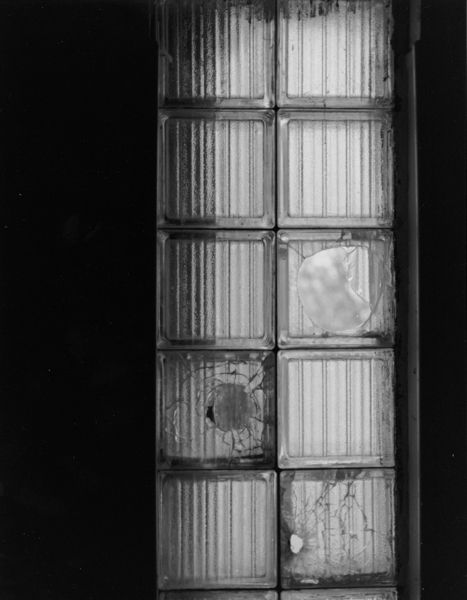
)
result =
(233, 595)
(335, 169)
(335, 288)
(216, 409)
(216, 168)
(336, 408)
(217, 529)
(215, 289)
(362, 594)
(334, 53)
(216, 53)
(337, 528)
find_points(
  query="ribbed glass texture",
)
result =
(215, 289)
(216, 53)
(335, 288)
(216, 168)
(335, 169)
(217, 529)
(336, 408)
(334, 53)
(216, 409)
(362, 594)
(337, 528)
(237, 595)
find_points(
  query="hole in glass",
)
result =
(333, 288)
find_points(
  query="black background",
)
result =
(77, 143)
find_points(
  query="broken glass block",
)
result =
(336, 408)
(216, 409)
(335, 288)
(215, 289)
(337, 528)
(334, 53)
(233, 595)
(362, 594)
(335, 169)
(217, 529)
(216, 53)
(216, 168)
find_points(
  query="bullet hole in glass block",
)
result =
(333, 286)
(231, 407)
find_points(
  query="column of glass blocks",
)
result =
(335, 299)
(216, 450)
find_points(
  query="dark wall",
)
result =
(441, 68)
(77, 138)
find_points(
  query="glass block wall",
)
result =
(275, 301)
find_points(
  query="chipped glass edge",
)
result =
(383, 339)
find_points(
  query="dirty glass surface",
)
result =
(216, 168)
(216, 409)
(224, 486)
(216, 53)
(362, 594)
(215, 289)
(233, 595)
(334, 53)
(217, 529)
(335, 408)
(337, 527)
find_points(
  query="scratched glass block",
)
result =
(335, 288)
(334, 53)
(337, 528)
(216, 409)
(217, 529)
(216, 169)
(215, 289)
(336, 408)
(361, 594)
(216, 53)
(233, 595)
(335, 169)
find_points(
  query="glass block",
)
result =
(336, 408)
(216, 53)
(334, 53)
(335, 169)
(216, 409)
(217, 529)
(216, 168)
(237, 595)
(215, 289)
(335, 288)
(337, 528)
(361, 594)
